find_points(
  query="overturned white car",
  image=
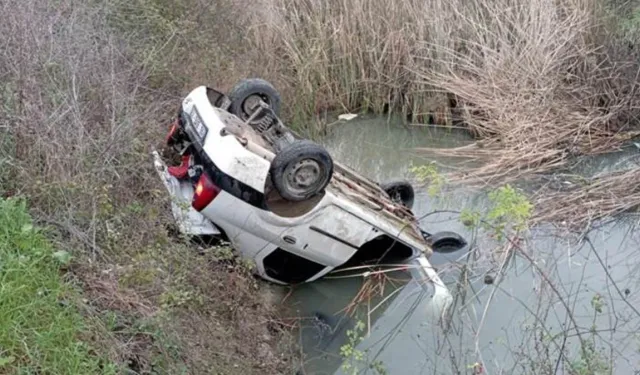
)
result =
(279, 199)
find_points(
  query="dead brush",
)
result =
(90, 88)
(87, 88)
(540, 82)
(373, 286)
(80, 133)
(348, 55)
(537, 82)
(583, 206)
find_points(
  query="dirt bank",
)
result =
(88, 88)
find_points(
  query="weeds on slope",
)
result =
(87, 88)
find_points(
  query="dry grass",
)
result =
(87, 88)
(350, 55)
(583, 206)
(548, 80)
(538, 81)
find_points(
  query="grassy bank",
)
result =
(167, 311)
(42, 328)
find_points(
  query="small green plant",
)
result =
(428, 173)
(511, 210)
(354, 358)
(181, 293)
(247, 264)
(174, 298)
(223, 253)
(590, 362)
(597, 303)
(470, 219)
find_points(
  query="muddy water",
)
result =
(513, 326)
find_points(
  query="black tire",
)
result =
(400, 192)
(446, 242)
(243, 96)
(291, 160)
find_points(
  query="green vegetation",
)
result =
(58, 317)
(428, 174)
(591, 360)
(509, 214)
(511, 209)
(355, 359)
(42, 327)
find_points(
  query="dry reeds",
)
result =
(538, 81)
(541, 82)
(350, 55)
(581, 207)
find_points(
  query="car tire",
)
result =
(245, 93)
(446, 242)
(400, 192)
(301, 170)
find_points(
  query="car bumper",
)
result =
(425, 273)
(189, 221)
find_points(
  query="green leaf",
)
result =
(6, 360)
(64, 257)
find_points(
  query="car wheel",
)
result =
(301, 170)
(246, 95)
(446, 242)
(400, 192)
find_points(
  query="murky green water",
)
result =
(513, 326)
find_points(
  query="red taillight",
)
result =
(205, 193)
(172, 132)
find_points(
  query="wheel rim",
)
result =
(304, 177)
(251, 102)
(396, 196)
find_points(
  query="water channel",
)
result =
(517, 324)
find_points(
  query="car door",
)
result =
(331, 237)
